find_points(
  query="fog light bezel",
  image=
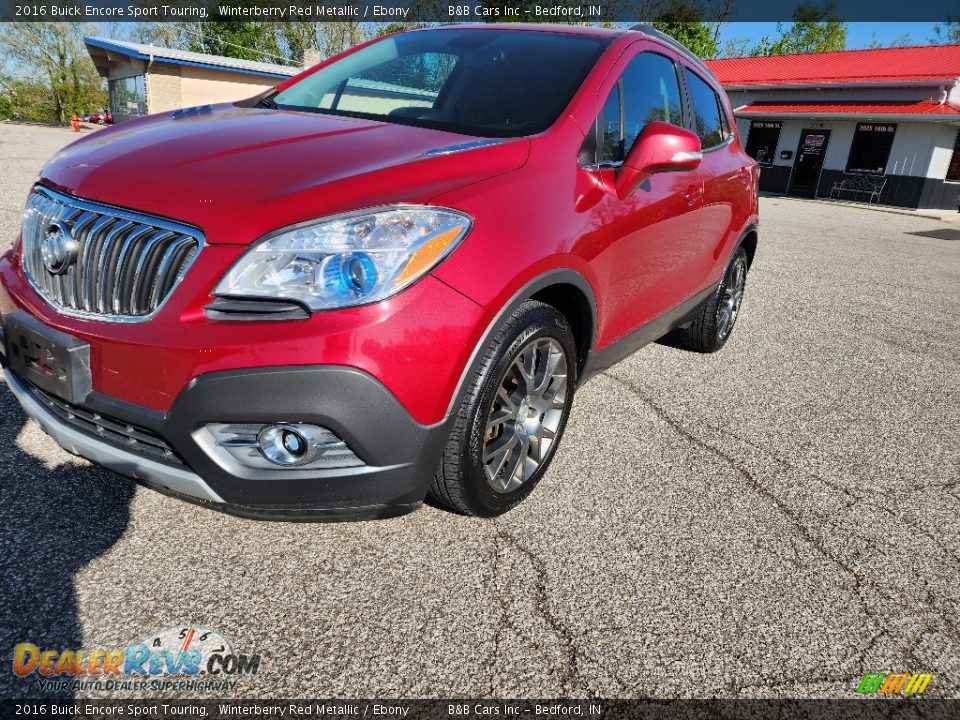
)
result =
(271, 450)
(235, 447)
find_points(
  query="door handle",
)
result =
(693, 193)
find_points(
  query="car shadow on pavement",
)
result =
(671, 340)
(54, 520)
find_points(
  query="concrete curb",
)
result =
(942, 215)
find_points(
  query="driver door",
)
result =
(652, 233)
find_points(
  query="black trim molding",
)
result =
(620, 349)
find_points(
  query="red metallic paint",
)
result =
(660, 147)
(642, 255)
(239, 173)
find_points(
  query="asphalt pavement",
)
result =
(774, 520)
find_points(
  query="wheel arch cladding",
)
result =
(562, 289)
(571, 302)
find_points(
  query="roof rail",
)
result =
(649, 30)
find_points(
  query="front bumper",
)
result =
(399, 455)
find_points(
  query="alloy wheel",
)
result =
(526, 414)
(729, 306)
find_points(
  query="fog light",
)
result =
(287, 444)
(280, 446)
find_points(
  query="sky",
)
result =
(859, 34)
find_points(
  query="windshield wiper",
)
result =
(267, 102)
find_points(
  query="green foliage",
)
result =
(390, 28)
(684, 23)
(27, 100)
(238, 39)
(281, 43)
(814, 29)
(52, 74)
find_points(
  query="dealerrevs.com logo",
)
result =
(183, 657)
(894, 683)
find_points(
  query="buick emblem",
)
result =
(59, 249)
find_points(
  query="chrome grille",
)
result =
(126, 263)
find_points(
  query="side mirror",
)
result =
(660, 147)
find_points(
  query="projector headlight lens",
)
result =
(349, 260)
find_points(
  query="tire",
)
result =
(714, 320)
(488, 468)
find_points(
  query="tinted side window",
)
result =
(604, 143)
(652, 92)
(611, 131)
(706, 111)
(648, 90)
(724, 120)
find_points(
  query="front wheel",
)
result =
(511, 421)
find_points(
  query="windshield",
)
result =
(489, 83)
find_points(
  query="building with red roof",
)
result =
(879, 125)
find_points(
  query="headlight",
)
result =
(348, 260)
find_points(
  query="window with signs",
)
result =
(648, 90)
(709, 119)
(762, 140)
(953, 171)
(871, 148)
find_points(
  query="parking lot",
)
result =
(776, 519)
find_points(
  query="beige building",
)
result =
(145, 79)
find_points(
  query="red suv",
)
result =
(384, 277)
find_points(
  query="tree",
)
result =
(281, 43)
(735, 47)
(814, 29)
(167, 34)
(239, 39)
(684, 23)
(947, 33)
(390, 28)
(335, 37)
(52, 55)
(902, 40)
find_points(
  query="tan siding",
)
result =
(200, 86)
(163, 88)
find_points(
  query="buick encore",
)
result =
(383, 278)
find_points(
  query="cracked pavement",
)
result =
(774, 520)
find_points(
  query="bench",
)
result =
(869, 185)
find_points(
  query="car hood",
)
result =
(238, 173)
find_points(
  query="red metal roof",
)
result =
(880, 65)
(923, 107)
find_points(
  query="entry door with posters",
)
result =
(806, 168)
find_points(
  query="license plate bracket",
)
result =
(52, 360)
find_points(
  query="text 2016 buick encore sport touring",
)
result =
(386, 276)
